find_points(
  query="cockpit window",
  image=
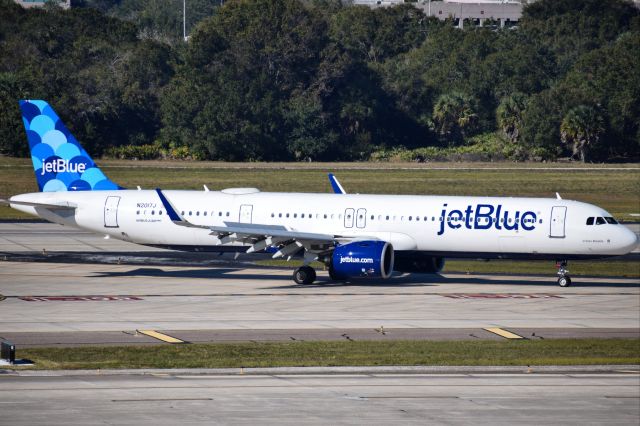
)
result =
(600, 221)
(589, 221)
(611, 220)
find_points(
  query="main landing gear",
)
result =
(563, 274)
(304, 275)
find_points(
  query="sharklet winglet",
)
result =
(335, 184)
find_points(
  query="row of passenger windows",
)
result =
(590, 221)
(393, 218)
(601, 220)
(191, 213)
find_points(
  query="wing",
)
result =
(261, 236)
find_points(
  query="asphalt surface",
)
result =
(371, 398)
(64, 287)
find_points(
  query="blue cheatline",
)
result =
(59, 161)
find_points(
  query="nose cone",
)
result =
(628, 241)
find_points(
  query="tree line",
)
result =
(281, 80)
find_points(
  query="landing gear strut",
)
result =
(563, 274)
(304, 275)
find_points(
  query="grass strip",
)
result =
(349, 353)
(604, 268)
(594, 268)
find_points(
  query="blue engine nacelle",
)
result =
(362, 259)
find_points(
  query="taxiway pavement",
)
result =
(346, 399)
(49, 299)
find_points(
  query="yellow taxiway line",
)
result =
(503, 333)
(160, 336)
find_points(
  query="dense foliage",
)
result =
(316, 79)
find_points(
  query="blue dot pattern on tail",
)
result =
(60, 163)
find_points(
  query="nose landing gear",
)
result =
(564, 280)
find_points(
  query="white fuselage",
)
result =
(442, 225)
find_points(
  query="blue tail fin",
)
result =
(60, 163)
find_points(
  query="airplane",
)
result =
(353, 235)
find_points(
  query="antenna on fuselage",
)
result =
(558, 196)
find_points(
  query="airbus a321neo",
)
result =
(354, 235)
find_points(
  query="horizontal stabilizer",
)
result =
(62, 205)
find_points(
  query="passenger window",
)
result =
(198, 213)
(189, 213)
(325, 216)
(227, 214)
(371, 217)
(204, 213)
(387, 217)
(295, 215)
(219, 213)
(600, 221)
(589, 221)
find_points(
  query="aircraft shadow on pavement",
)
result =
(399, 281)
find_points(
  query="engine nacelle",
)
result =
(362, 259)
(415, 261)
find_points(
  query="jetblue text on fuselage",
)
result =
(486, 216)
(59, 165)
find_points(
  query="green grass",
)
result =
(433, 353)
(613, 189)
(608, 268)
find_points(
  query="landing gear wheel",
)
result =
(564, 281)
(304, 275)
(563, 274)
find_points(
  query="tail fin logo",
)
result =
(59, 161)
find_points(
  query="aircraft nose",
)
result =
(629, 240)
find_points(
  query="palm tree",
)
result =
(581, 128)
(453, 114)
(509, 115)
